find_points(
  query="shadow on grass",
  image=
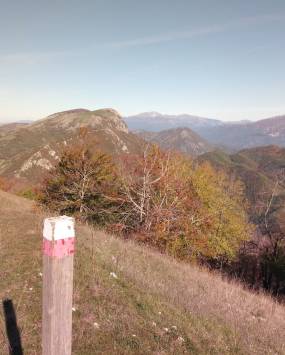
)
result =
(12, 330)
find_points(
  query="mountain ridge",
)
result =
(28, 151)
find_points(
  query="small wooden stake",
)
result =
(58, 254)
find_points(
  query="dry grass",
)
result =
(155, 305)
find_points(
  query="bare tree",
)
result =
(273, 254)
(138, 185)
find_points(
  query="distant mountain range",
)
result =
(233, 135)
(155, 121)
(181, 139)
(20, 122)
(28, 149)
(270, 131)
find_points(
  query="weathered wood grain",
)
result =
(57, 305)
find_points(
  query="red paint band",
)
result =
(58, 248)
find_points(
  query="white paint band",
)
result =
(57, 228)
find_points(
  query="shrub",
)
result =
(29, 193)
(81, 184)
(191, 212)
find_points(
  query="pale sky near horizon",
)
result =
(221, 59)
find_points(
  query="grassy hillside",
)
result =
(9, 127)
(154, 306)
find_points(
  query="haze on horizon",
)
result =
(224, 61)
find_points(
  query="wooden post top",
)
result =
(57, 228)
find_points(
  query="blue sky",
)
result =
(216, 58)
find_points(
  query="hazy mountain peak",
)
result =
(73, 119)
(110, 110)
(181, 139)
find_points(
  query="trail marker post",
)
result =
(58, 254)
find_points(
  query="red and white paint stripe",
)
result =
(58, 236)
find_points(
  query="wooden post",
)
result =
(58, 253)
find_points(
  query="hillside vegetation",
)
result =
(157, 197)
(27, 152)
(262, 261)
(259, 168)
(131, 300)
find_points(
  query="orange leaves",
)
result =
(190, 211)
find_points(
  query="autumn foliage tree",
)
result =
(191, 212)
(224, 202)
(82, 184)
(161, 198)
(271, 246)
